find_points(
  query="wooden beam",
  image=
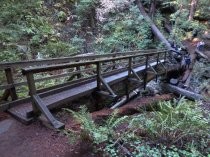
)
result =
(23, 64)
(70, 65)
(9, 76)
(32, 90)
(145, 74)
(40, 104)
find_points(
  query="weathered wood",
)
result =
(133, 107)
(23, 64)
(5, 95)
(10, 80)
(145, 74)
(8, 86)
(70, 65)
(155, 30)
(111, 92)
(98, 76)
(181, 91)
(40, 104)
(129, 67)
(201, 54)
(32, 90)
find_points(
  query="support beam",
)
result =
(145, 74)
(40, 104)
(32, 90)
(5, 95)
(10, 80)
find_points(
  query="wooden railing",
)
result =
(102, 63)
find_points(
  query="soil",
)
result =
(19, 140)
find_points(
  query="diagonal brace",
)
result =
(40, 104)
(153, 69)
(135, 74)
(107, 86)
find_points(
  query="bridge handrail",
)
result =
(22, 64)
(77, 61)
(70, 65)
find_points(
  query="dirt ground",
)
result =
(36, 140)
(19, 140)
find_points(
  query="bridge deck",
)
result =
(24, 111)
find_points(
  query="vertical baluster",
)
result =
(145, 75)
(32, 89)
(9, 77)
(98, 75)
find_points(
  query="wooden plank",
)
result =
(145, 75)
(55, 99)
(107, 87)
(23, 64)
(8, 86)
(5, 95)
(10, 80)
(69, 65)
(32, 90)
(56, 124)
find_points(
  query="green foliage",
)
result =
(124, 31)
(173, 130)
(58, 49)
(62, 16)
(184, 28)
(173, 124)
(84, 7)
(24, 23)
(95, 133)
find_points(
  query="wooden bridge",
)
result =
(86, 74)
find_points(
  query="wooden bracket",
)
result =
(9, 77)
(40, 104)
(136, 75)
(110, 91)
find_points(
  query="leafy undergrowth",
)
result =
(172, 129)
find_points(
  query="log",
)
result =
(201, 54)
(155, 30)
(131, 107)
(177, 90)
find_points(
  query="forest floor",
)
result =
(19, 140)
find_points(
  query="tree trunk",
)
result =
(155, 30)
(193, 5)
(152, 8)
(183, 92)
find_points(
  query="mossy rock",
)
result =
(62, 16)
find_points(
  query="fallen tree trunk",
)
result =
(133, 107)
(177, 90)
(155, 30)
(201, 54)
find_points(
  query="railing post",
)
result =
(98, 75)
(145, 75)
(32, 89)
(158, 56)
(129, 66)
(10, 80)
(165, 56)
(78, 69)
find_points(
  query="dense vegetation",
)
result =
(36, 29)
(169, 129)
(40, 29)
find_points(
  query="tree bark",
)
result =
(181, 91)
(152, 8)
(193, 5)
(155, 30)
